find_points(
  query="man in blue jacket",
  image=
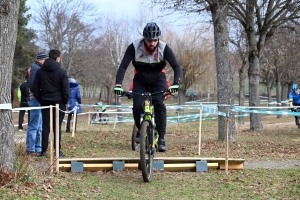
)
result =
(33, 137)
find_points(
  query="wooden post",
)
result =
(226, 156)
(74, 121)
(177, 120)
(200, 124)
(57, 138)
(89, 121)
(51, 139)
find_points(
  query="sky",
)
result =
(127, 7)
(133, 8)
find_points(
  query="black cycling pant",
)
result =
(296, 117)
(21, 115)
(158, 102)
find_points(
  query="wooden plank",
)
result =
(232, 166)
(109, 166)
(165, 159)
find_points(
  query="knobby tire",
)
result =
(146, 157)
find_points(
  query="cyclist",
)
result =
(103, 109)
(149, 56)
(294, 100)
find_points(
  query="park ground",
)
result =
(271, 168)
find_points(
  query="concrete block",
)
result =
(76, 166)
(118, 165)
(201, 166)
(159, 165)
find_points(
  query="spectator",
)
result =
(51, 87)
(23, 94)
(294, 100)
(75, 100)
(33, 137)
(12, 94)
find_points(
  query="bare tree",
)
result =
(260, 20)
(64, 25)
(115, 39)
(267, 77)
(9, 12)
(240, 53)
(195, 54)
(285, 59)
(219, 12)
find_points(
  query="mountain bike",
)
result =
(148, 134)
(99, 118)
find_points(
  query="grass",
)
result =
(279, 140)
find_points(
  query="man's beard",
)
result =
(151, 47)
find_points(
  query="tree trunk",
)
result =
(269, 94)
(284, 92)
(242, 75)
(278, 97)
(224, 76)
(254, 67)
(8, 33)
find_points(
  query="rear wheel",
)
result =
(104, 119)
(93, 120)
(146, 151)
(134, 145)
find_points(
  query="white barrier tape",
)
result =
(6, 106)
(31, 108)
(15, 125)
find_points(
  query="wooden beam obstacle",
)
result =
(170, 163)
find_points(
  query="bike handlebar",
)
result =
(145, 94)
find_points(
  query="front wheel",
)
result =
(146, 151)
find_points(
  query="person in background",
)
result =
(294, 100)
(103, 108)
(51, 87)
(74, 103)
(23, 96)
(149, 56)
(33, 137)
(12, 94)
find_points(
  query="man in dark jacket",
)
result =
(50, 87)
(23, 96)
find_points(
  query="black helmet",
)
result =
(151, 31)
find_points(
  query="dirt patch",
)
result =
(272, 164)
